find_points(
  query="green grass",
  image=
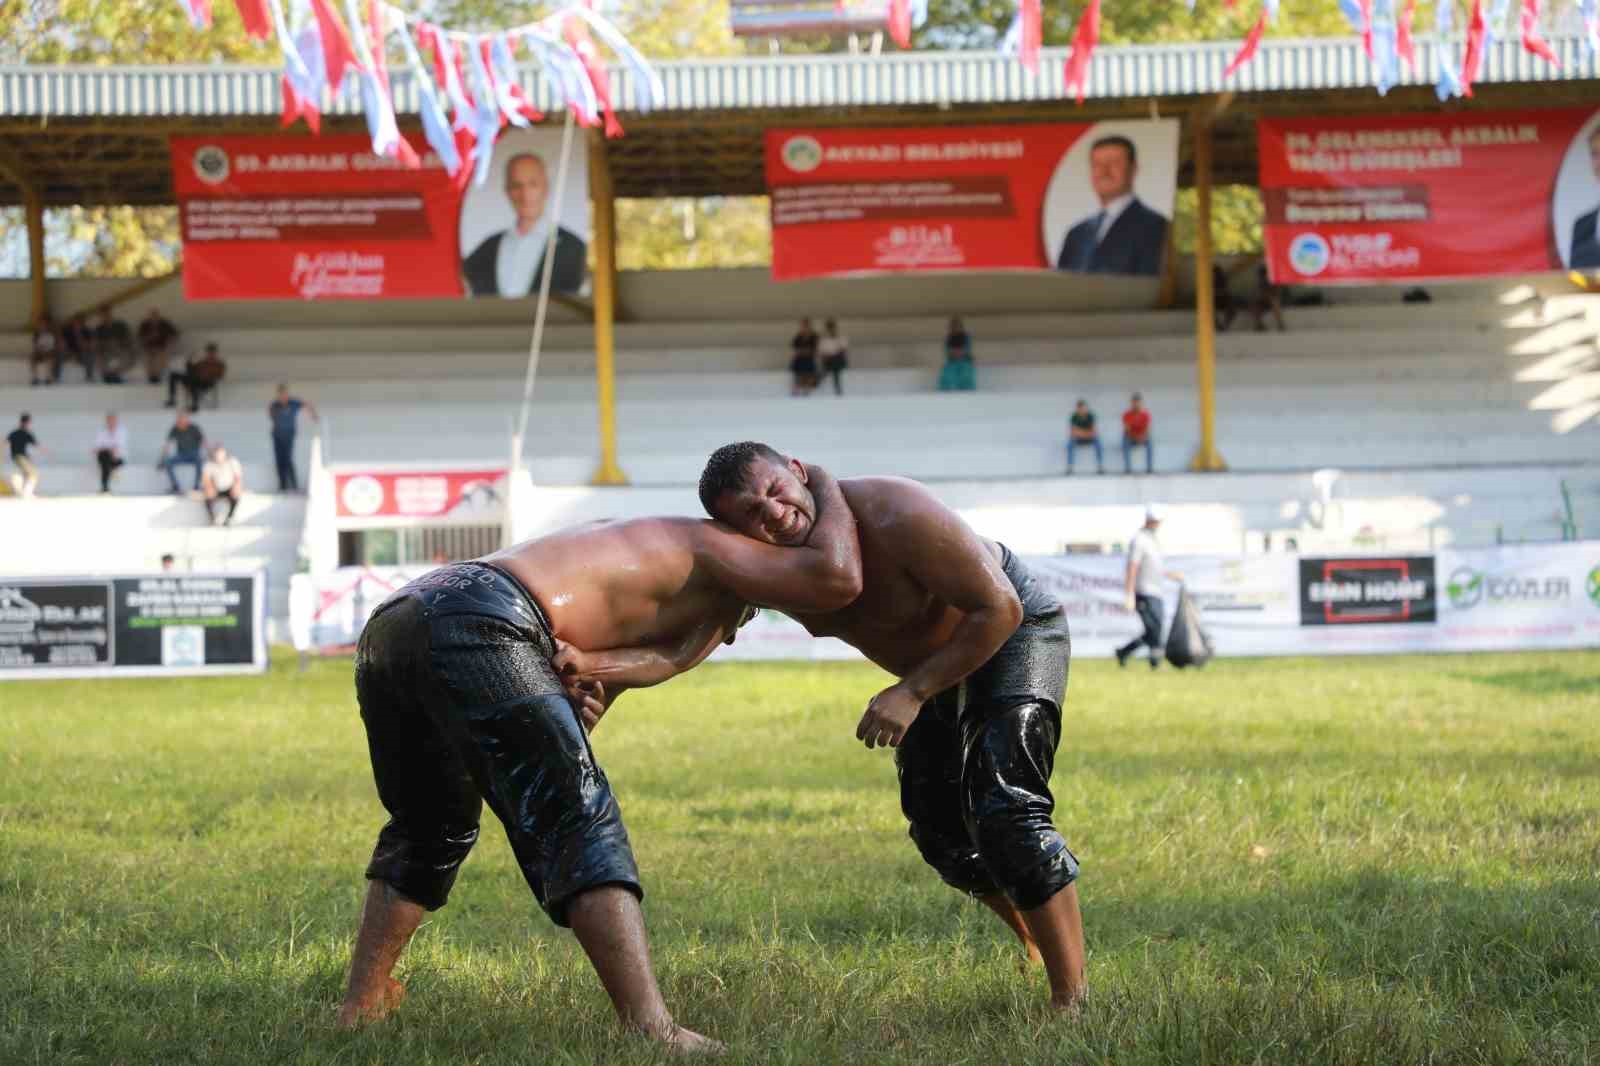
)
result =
(1340, 861)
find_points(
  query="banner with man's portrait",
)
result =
(296, 217)
(1427, 196)
(1088, 198)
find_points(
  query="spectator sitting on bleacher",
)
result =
(223, 478)
(46, 352)
(1222, 298)
(77, 342)
(110, 449)
(834, 347)
(803, 360)
(1136, 434)
(202, 376)
(1269, 297)
(113, 343)
(156, 335)
(182, 448)
(1081, 432)
(959, 373)
(20, 440)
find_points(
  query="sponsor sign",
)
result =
(1367, 591)
(1529, 596)
(1454, 195)
(321, 218)
(132, 626)
(446, 494)
(46, 624)
(1088, 198)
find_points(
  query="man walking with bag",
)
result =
(1142, 587)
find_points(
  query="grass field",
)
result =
(1290, 861)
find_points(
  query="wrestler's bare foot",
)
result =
(681, 1041)
(372, 1008)
(1070, 1007)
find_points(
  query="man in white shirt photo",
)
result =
(1142, 587)
(511, 262)
(222, 478)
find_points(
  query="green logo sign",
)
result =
(1465, 587)
(1594, 586)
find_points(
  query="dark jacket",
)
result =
(1586, 242)
(1133, 244)
(566, 278)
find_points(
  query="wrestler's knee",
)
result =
(1009, 807)
(954, 859)
(421, 862)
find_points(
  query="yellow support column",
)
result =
(33, 209)
(1206, 457)
(605, 309)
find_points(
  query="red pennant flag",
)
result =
(900, 22)
(257, 19)
(459, 62)
(1366, 26)
(1083, 43)
(1247, 52)
(1476, 28)
(1532, 42)
(1032, 34)
(1402, 44)
(577, 35)
(336, 51)
(380, 63)
(296, 106)
(466, 141)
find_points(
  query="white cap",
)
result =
(1154, 512)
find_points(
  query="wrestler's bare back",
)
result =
(618, 584)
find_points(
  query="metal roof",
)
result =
(807, 81)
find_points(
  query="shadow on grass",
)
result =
(1537, 682)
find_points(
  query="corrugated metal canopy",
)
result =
(98, 134)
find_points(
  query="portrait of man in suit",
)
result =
(1124, 236)
(511, 262)
(1585, 254)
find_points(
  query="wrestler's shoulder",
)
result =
(888, 501)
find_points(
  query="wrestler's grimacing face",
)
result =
(774, 505)
(527, 188)
(1110, 172)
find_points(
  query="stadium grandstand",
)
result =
(1370, 423)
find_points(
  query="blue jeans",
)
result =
(1074, 445)
(192, 459)
(1127, 455)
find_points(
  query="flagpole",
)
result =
(537, 342)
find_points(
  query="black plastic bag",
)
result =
(1188, 643)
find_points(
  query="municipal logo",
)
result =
(1465, 587)
(211, 164)
(1309, 254)
(802, 154)
(1594, 586)
(362, 495)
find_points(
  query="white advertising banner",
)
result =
(1488, 599)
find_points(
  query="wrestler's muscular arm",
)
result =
(823, 574)
(651, 664)
(942, 554)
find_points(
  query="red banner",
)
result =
(294, 217)
(1091, 198)
(1403, 197)
(322, 218)
(476, 494)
